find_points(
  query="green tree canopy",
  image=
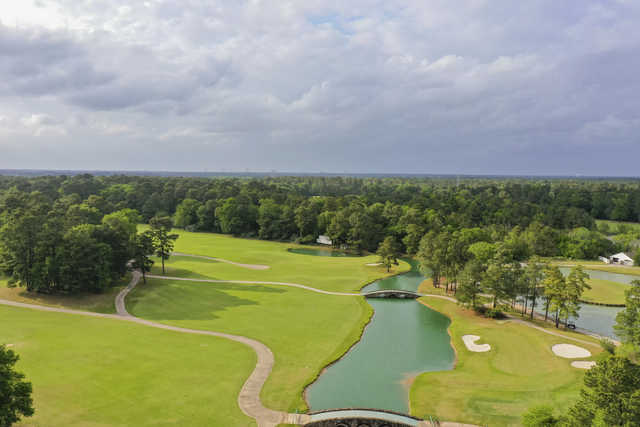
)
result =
(388, 252)
(15, 392)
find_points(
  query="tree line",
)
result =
(60, 246)
(470, 264)
(557, 217)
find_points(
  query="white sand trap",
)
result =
(583, 364)
(570, 351)
(374, 264)
(470, 342)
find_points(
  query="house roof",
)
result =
(622, 256)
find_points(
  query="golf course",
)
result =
(305, 309)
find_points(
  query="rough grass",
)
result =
(99, 303)
(105, 372)
(426, 287)
(605, 292)
(496, 387)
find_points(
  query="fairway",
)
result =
(98, 372)
(305, 330)
(495, 387)
(605, 292)
(340, 274)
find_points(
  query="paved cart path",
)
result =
(249, 397)
(226, 261)
(254, 282)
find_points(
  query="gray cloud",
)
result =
(482, 87)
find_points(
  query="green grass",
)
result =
(104, 372)
(305, 330)
(597, 265)
(342, 274)
(496, 387)
(99, 303)
(605, 292)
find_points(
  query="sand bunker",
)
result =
(469, 341)
(374, 264)
(583, 364)
(570, 351)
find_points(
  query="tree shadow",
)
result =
(193, 300)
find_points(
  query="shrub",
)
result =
(494, 313)
(608, 346)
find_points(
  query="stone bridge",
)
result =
(363, 418)
(392, 293)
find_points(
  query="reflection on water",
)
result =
(320, 252)
(403, 339)
(605, 275)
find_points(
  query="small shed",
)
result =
(323, 240)
(621, 258)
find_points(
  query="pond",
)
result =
(403, 339)
(597, 318)
(320, 252)
(605, 275)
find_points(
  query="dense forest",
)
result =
(62, 233)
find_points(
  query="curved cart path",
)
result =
(250, 266)
(253, 282)
(249, 397)
(525, 323)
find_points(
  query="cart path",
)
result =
(525, 323)
(249, 266)
(249, 397)
(253, 282)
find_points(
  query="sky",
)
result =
(360, 86)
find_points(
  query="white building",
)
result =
(323, 240)
(621, 259)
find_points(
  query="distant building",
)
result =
(323, 240)
(621, 259)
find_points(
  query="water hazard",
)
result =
(403, 339)
(597, 318)
(320, 252)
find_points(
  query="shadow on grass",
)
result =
(191, 259)
(178, 272)
(162, 300)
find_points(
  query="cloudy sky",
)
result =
(419, 86)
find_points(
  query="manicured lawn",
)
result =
(496, 387)
(598, 265)
(605, 292)
(305, 330)
(342, 274)
(107, 372)
(99, 303)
